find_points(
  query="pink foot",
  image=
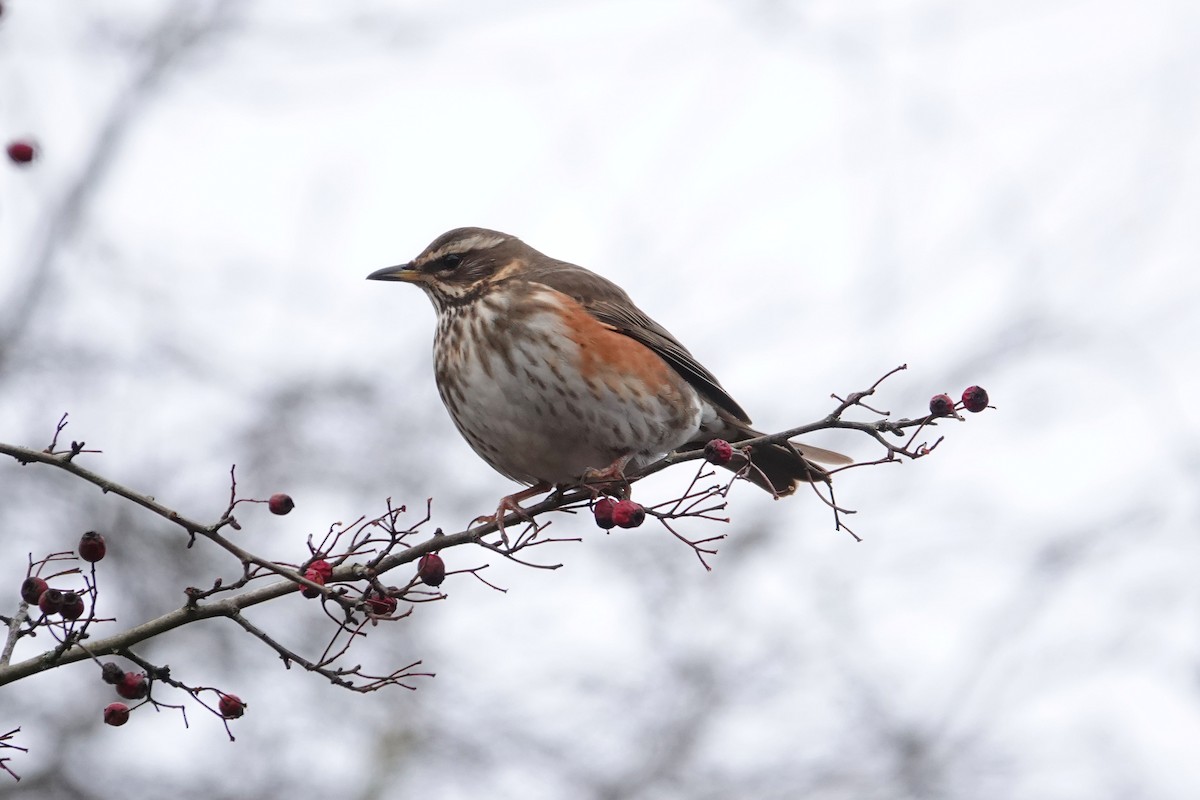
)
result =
(511, 503)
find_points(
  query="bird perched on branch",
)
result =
(554, 376)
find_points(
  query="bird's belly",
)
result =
(545, 408)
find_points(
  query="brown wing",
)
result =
(608, 303)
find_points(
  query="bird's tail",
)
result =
(780, 468)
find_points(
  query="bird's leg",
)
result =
(511, 502)
(613, 473)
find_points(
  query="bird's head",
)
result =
(460, 265)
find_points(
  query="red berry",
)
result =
(975, 399)
(91, 547)
(133, 686)
(629, 514)
(32, 588)
(316, 577)
(941, 405)
(324, 568)
(116, 714)
(381, 605)
(280, 504)
(718, 451)
(112, 673)
(22, 152)
(231, 706)
(51, 601)
(72, 606)
(431, 569)
(603, 509)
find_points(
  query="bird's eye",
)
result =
(451, 262)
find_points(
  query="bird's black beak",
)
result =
(403, 272)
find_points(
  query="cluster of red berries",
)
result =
(974, 399)
(52, 602)
(130, 685)
(136, 686)
(230, 706)
(611, 513)
(56, 602)
(319, 572)
(431, 569)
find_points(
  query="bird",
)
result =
(555, 377)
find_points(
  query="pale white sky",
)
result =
(806, 194)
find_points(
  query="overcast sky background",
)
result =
(807, 194)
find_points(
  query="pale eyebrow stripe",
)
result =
(480, 241)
